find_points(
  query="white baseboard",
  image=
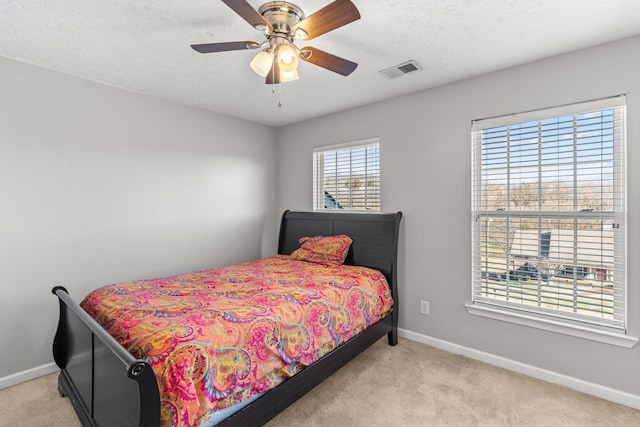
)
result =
(593, 389)
(28, 375)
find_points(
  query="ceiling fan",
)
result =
(282, 23)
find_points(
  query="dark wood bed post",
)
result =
(60, 340)
(393, 335)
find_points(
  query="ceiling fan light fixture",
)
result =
(262, 63)
(282, 23)
(287, 58)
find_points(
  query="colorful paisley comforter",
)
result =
(217, 337)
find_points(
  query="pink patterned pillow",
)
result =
(328, 250)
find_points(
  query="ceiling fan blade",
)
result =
(223, 47)
(273, 77)
(249, 14)
(330, 17)
(327, 60)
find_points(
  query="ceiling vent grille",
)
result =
(401, 69)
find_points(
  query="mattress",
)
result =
(218, 337)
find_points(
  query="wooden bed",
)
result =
(107, 386)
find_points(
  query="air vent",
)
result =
(401, 69)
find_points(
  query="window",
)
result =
(549, 216)
(347, 176)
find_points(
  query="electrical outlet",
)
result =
(424, 307)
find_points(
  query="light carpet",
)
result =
(410, 384)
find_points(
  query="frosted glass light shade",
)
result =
(287, 58)
(262, 63)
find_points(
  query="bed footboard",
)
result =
(107, 386)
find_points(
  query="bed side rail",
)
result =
(106, 384)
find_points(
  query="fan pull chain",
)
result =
(273, 91)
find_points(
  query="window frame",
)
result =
(319, 188)
(528, 314)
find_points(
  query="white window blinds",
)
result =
(549, 212)
(347, 176)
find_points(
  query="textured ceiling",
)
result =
(144, 46)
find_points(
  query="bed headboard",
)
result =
(374, 235)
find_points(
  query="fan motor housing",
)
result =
(281, 15)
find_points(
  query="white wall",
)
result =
(425, 167)
(99, 185)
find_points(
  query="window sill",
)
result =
(558, 326)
